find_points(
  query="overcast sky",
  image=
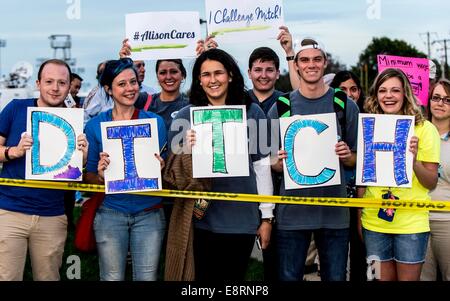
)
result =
(345, 27)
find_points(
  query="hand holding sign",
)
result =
(25, 143)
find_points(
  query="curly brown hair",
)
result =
(409, 106)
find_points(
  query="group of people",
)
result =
(218, 243)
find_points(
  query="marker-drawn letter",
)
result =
(398, 147)
(217, 118)
(325, 175)
(131, 181)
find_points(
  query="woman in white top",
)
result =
(438, 252)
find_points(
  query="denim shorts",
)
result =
(403, 248)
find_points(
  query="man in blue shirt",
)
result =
(32, 219)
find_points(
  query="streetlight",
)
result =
(2, 44)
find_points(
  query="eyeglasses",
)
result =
(437, 98)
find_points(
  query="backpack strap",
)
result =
(284, 105)
(148, 102)
(340, 108)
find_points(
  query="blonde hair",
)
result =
(409, 106)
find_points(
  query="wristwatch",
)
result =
(270, 220)
(290, 58)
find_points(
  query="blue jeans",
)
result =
(116, 231)
(292, 248)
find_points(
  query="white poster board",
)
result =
(162, 35)
(383, 157)
(131, 145)
(221, 148)
(310, 141)
(237, 21)
(54, 154)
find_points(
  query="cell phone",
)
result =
(258, 242)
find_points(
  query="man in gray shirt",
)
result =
(296, 223)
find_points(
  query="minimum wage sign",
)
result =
(417, 70)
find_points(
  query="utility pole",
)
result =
(2, 44)
(203, 21)
(428, 42)
(444, 41)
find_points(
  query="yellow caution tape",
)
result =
(242, 197)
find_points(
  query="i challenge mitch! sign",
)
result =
(235, 20)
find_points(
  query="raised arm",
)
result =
(285, 39)
(125, 51)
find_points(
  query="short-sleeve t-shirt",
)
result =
(42, 202)
(305, 217)
(406, 221)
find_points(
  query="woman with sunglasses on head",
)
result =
(438, 253)
(225, 235)
(170, 74)
(124, 221)
(397, 238)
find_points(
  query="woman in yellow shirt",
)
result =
(397, 239)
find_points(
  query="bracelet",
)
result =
(7, 157)
(290, 58)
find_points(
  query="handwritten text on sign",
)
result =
(162, 35)
(416, 69)
(236, 20)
